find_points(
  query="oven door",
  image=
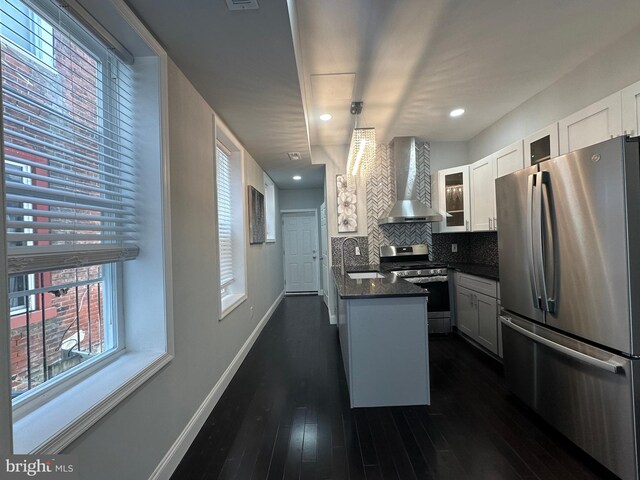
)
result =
(438, 288)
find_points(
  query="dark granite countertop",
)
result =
(389, 286)
(487, 271)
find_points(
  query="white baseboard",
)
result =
(171, 460)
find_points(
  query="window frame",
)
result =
(270, 210)
(234, 294)
(72, 412)
(112, 309)
(112, 277)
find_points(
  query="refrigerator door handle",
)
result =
(538, 242)
(530, 248)
(549, 295)
(609, 366)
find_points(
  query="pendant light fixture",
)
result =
(362, 150)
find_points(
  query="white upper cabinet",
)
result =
(453, 196)
(483, 193)
(541, 145)
(631, 110)
(509, 159)
(593, 124)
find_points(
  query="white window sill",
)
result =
(230, 302)
(57, 423)
(271, 240)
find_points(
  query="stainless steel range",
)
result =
(413, 264)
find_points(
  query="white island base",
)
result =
(385, 350)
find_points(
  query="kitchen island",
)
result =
(383, 329)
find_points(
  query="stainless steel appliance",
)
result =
(408, 207)
(570, 293)
(413, 264)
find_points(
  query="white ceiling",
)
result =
(410, 61)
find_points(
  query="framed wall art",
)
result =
(257, 230)
(347, 215)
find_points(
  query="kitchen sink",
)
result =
(364, 275)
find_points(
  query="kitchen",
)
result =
(250, 377)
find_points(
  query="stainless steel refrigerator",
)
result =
(569, 247)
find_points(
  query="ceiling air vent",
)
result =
(294, 156)
(242, 4)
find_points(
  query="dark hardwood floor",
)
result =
(286, 415)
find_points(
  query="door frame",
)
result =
(317, 240)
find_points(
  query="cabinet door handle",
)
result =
(467, 227)
(490, 223)
(495, 223)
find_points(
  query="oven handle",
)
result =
(438, 279)
(433, 279)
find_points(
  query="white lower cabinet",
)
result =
(467, 315)
(477, 310)
(487, 308)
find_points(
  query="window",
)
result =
(27, 30)
(231, 222)
(270, 208)
(68, 323)
(70, 191)
(79, 126)
(225, 240)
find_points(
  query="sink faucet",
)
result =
(342, 251)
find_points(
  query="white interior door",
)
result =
(324, 254)
(301, 251)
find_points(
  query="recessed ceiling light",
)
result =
(457, 112)
(325, 117)
(297, 177)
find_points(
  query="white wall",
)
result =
(301, 198)
(132, 439)
(608, 71)
(335, 159)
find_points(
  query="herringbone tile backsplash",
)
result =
(381, 195)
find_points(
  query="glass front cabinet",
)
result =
(453, 196)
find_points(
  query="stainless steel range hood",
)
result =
(407, 209)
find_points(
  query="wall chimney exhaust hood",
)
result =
(408, 208)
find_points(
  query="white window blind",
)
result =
(270, 207)
(225, 238)
(67, 119)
